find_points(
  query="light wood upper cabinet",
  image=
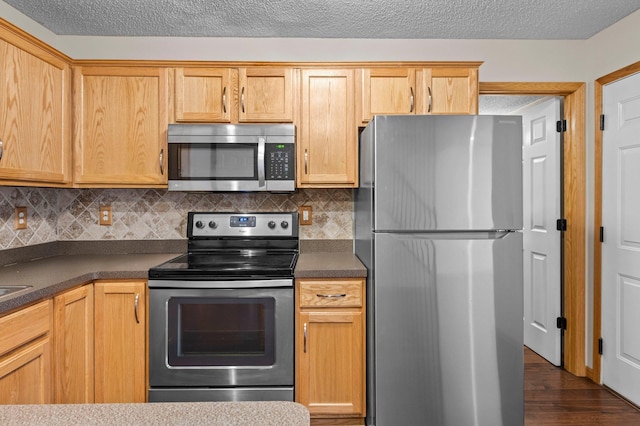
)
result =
(327, 148)
(204, 94)
(35, 134)
(409, 90)
(73, 346)
(120, 341)
(26, 375)
(448, 90)
(234, 95)
(330, 349)
(121, 124)
(388, 91)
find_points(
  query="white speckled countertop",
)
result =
(263, 413)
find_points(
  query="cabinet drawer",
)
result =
(24, 325)
(331, 293)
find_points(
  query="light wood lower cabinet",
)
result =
(100, 343)
(25, 356)
(120, 341)
(73, 346)
(330, 349)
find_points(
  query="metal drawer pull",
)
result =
(332, 296)
(306, 160)
(135, 308)
(1, 149)
(429, 107)
(242, 100)
(305, 337)
(161, 160)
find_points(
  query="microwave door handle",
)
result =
(261, 145)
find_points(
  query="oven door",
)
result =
(207, 337)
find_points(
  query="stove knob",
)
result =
(271, 224)
(213, 225)
(284, 224)
(199, 224)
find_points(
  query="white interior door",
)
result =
(621, 245)
(542, 195)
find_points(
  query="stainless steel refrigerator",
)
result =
(438, 219)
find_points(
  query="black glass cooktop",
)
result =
(228, 264)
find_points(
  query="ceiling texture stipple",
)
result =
(368, 19)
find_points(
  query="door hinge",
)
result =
(600, 346)
(602, 234)
(561, 126)
(561, 224)
(601, 121)
(561, 323)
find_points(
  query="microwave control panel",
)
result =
(279, 161)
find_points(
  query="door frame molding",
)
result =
(595, 372)
(574, 188)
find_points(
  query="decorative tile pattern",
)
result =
(140, 214)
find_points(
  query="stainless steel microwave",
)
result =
(231, 157)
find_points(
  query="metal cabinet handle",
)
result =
(304, 328)
(135, 308)
(332, 296)
(242, 99)
(1, 149)
(429, 107)
(161, 159)
(224, 100)
(411, 107)
(306, 161)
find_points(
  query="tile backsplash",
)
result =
(154, 214)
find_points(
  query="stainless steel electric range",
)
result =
(221, 316)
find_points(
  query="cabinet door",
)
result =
(73, 346)
(204, 94)
(25, 356)
(25, 375)
(449, 91)
(266, 94)
(120, 342)
(328, 144)
(388, 91)
(34, 120)
(121, 125)
(331, 363)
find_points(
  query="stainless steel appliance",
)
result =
(231, 157)
(221, 316)
(437, 216)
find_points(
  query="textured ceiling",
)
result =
(378, 19)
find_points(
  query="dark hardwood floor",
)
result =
(554, 397)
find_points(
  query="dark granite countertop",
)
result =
(77, 263)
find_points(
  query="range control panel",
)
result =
(213, 225)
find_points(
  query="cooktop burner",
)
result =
(235, 246)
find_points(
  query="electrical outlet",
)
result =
(20, 218)
(105, 215)
(305, 215)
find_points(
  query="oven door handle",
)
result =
(261, 148)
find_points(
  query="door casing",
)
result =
(574, 188)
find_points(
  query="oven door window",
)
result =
(213, 161)
(214, 331)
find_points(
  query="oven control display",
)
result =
(242, 222)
